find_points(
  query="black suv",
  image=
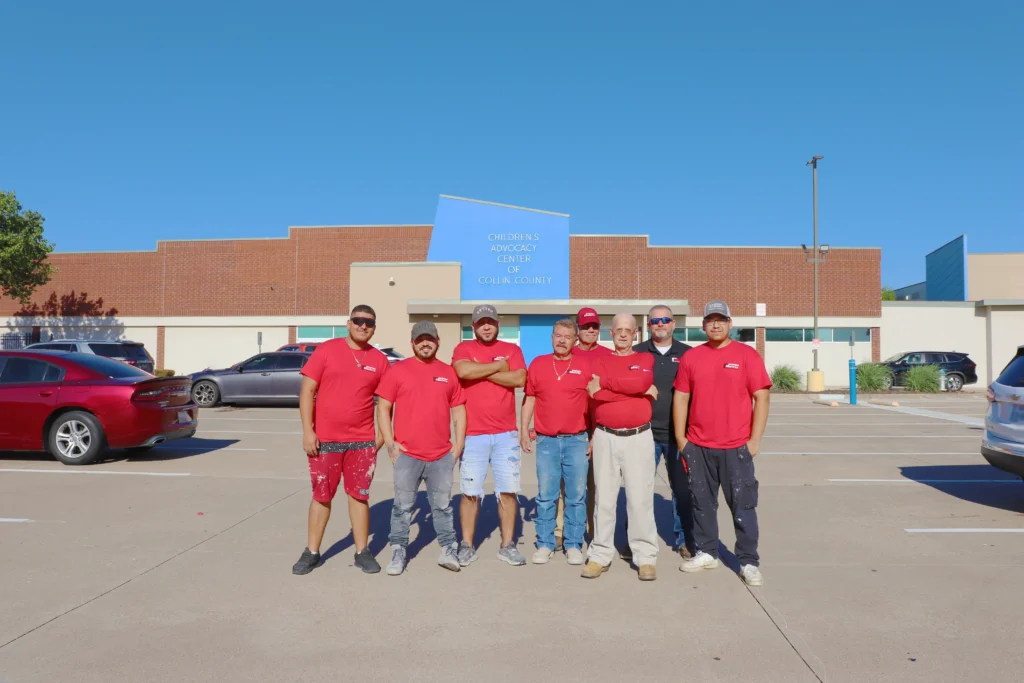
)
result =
(960, 369)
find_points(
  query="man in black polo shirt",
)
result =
(667, 353)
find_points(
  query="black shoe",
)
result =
(367, 562)
(307, 563)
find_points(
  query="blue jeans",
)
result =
(558, 459)
(679, 481)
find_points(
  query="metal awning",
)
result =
(679, 307)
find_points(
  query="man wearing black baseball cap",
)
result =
(719, 414)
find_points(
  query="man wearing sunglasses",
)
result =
(338, 433)
(667, 354)
(719, 414)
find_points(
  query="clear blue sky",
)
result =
(125, 123)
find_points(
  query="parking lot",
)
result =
(890, 551)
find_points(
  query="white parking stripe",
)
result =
(925, 481)
(13, 520)
(964, 531)
(76, 471)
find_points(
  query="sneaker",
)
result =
(751, 575)
(397, 565)
(574, 556)
(559, 544)
(509, 553)
(699, 562)
(648, 572)
(467, 554)
(594, 570)
(542, 555)
(449, 558)
(367, 562)
(307, 562)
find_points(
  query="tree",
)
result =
(888, 294)
(23, 250)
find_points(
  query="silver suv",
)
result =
(132, 353)
(1003, 443)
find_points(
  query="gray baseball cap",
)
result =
(717, 307)
(424, 327)
(485, 311)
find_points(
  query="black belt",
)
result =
(563, 436)
(625, 432)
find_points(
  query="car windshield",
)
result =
(893, 359)
(109, 368)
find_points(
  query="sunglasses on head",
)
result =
(591, 326)
(660, 321)
(363, 322)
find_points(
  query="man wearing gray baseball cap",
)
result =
(719, 413)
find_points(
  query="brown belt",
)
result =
(626, 432)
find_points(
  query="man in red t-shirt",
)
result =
(556, 400)
(427, 398)
(719, 414)
(336, 407)
(622, 389)
(490, 372)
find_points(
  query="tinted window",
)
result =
(109, 350)
(109, 368)
(261, 364)
(290, 362)
(18, 370)
(1013, 374)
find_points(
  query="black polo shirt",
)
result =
(665, 367)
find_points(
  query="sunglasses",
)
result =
(660, 321)
(591, 326)
(363, 322)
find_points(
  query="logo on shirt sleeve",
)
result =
(441, 379)
(732, 366)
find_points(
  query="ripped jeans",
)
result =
(501, 451)
(438, 474)
(733, 470)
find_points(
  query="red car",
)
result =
(74, 405)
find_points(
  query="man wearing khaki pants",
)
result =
(622, 389)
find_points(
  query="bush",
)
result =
(873, 377)
(785, 378)
(922, 378)
(165, 373)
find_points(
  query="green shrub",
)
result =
(873, 377)
(785, 378)
(922, 378)
(165, 373)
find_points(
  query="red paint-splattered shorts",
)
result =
(353, 461)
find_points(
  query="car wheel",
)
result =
(887, 382)
(76, 438)
(205, 394)
(954, 382)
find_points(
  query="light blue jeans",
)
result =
(558, 459)
(501, 452)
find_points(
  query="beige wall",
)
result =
(995, 276)
(371, 284)
(190, 349)
(833, 359)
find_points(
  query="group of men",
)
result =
(597, 417)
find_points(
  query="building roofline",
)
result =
(504, 206)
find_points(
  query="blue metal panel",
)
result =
(505, 252)
(535, 334)
(946, 271)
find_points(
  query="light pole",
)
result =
(818, 255)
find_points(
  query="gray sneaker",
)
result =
(397, 565)
(450, 558)
(511, 554)
(467, 554)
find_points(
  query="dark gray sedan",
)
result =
(267, 378)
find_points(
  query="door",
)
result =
(255, 381)
(286, 379)
(28, 394)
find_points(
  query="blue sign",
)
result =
(506, 252)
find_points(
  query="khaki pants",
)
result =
(630, 458)
(560, 508)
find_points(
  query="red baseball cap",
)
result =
(587, 315)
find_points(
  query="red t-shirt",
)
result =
(343, 410)
(595, 352)
(721, 383)
(621, 403)
(423, 395)
(491, 409)
(559, 388)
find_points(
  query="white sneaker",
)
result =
(751, 575)
(542, 555)
(699, 562)
(574, 556)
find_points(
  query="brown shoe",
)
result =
(593, 570)
(685, 553)
(648, 572)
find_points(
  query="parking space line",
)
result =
(925, 481)
(13, 520)
(964, 531)
(77, 471)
